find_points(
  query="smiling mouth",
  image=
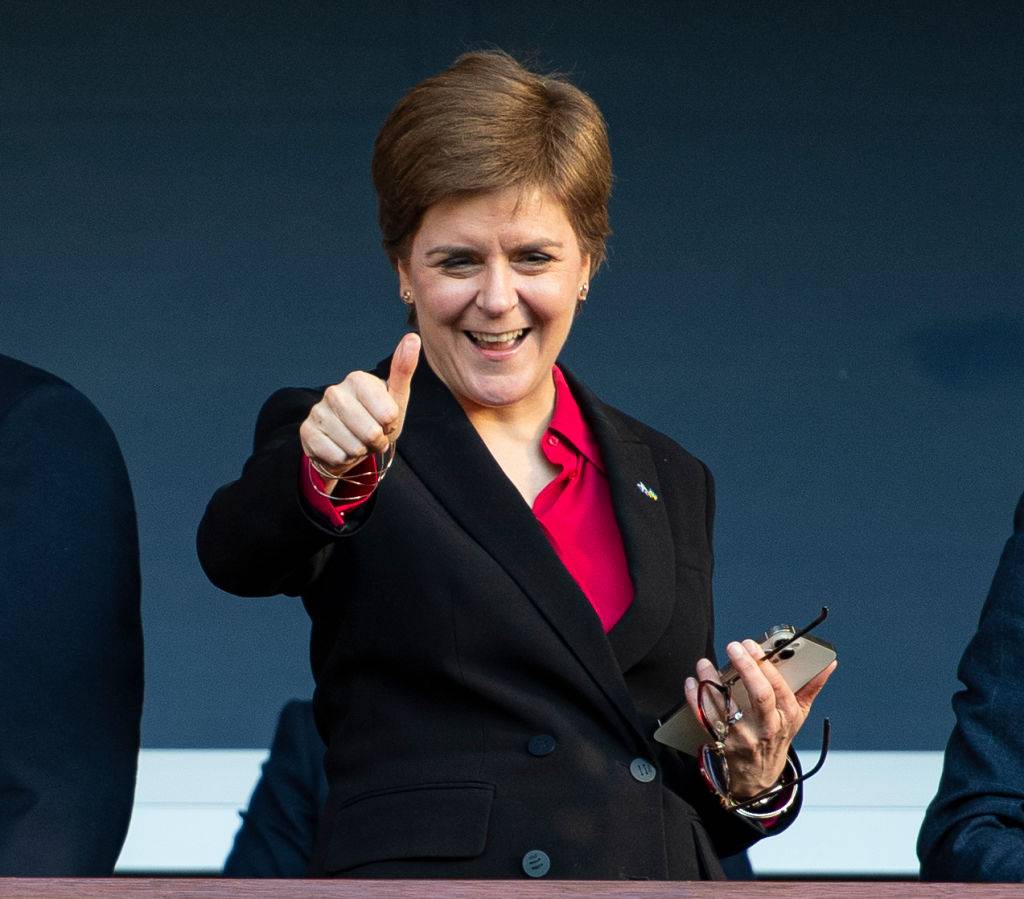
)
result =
(504, 340)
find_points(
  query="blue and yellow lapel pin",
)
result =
(646, 491)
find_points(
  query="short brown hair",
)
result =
(484, 124)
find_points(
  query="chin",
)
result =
(505, 391)
(494, 399)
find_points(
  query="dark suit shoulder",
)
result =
(692, 501)
(18, 379)
(628, 428)
(670, 458)
(38, 413)
(69, 557)
(665, 448)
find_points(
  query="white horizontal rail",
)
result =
(860, 817)
(186, 808)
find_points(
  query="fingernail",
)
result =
(690, 684)
(734, 650)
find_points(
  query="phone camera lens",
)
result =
(780, 633)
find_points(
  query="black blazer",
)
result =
(71, 640)
(279, 826)
(479, 721)
(974, 827)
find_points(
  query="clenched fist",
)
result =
(361, 415)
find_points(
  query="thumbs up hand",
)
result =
(360, 415)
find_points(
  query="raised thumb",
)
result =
(403, 364)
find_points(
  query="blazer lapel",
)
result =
(444, 450)
(643, 522)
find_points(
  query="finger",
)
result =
(366, 409)
(362, 405)
(365, 427)
(707, 671)
(337, 446)
(690, 692)
(706, 703)
(809, 691)
(403, 364)
(755, 649)
(759, 690)
(785, 701)
(315, 443)
(328, 454)
(375, 400)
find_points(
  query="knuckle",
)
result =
(333, 393)
(362, 383)
(762, 697)
(352, 446)
(326, 453)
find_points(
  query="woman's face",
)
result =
(495, 278)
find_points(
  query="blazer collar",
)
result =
(643, 523)
(444, 450)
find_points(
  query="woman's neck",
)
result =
(513, 436)
(523, 422)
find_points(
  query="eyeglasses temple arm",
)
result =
(728, 682)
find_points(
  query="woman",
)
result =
(497, 626)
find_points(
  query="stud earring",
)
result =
(407, 297)
(582, 295)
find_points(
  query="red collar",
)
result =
(568, 421)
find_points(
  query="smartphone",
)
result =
(797, 662)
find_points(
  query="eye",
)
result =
(456, 263)
(535, 258)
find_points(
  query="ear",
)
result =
(404, 282)
(585, 265)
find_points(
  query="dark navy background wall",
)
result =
(814, 284)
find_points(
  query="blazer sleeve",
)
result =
(71, 643)
(974, 827)
(257, 537)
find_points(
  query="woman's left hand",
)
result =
(757, 744)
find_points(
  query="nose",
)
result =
(497, 294)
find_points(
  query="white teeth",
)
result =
(506, 337)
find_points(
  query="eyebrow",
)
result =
(531, 246)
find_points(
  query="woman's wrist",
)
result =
(779, 801)
(768, 803)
